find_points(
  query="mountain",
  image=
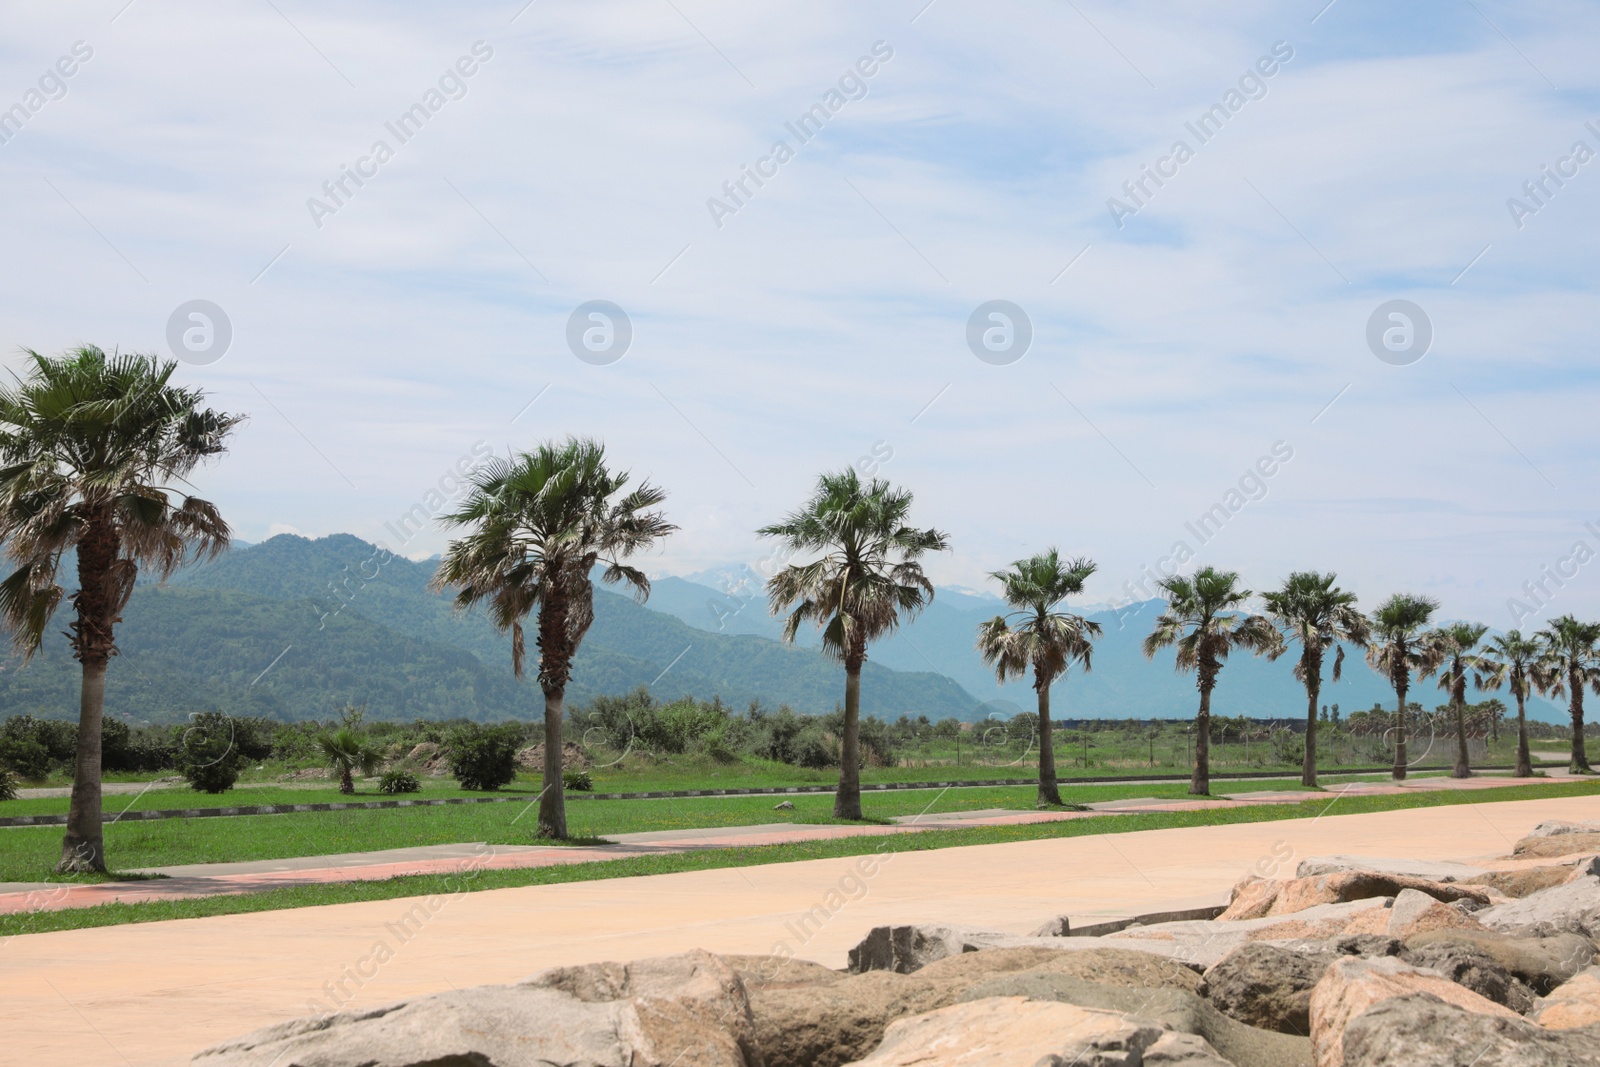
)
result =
(1123, 682)
(293, 628)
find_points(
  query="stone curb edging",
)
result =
(367, 805)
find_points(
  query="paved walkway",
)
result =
(151, 994)
(216, 879)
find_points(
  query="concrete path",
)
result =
(217, 879)
(151, 994)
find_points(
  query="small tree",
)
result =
(1459, 641)
(1570, 663)
(1314, 611)
(484, 758)
(207, 756)
(1403, 647)
(1513, 659)
(347, 752)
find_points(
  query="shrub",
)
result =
(578, 781)
(398, 781)
(24, 757)
(207, 755)
(484, 757)
(8, 785)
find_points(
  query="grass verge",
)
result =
(640, 866)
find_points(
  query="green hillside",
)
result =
(293, 628)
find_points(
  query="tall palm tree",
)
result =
(1038, 636)
(1203, 621)
(348, 752)
(541, 522)
(90, 445)
(1460, 640)
(1569, 662)
(1311, 609)
(1403, 646)
(868, 574)
(1513, 658)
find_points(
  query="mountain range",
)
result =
(293, 628)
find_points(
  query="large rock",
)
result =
(1174, 1009)
(826, 1024)
(1351, 986)
(1467, 965)
(1204, 942)
(1572, 1004)
(644, 1014)
(1255, 898)
(1012, 1031)
(1562, 827)
(1108, 966)
(1558, 839)
(906, 949)
(1572, 908)
(1542, 962)
(1413, 912)
(1526, 880)
(1432, 870)
(1268, 986)
(1422, 1031)
(763, 972)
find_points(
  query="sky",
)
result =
(1183, 339)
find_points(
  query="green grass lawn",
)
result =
(27, 853)
(307, 896)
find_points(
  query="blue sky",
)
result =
(828, 315)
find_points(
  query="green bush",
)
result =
(24, 757)
(8, 785)
(484, 757)
(207, 755)
(578, 781)
(398, 781)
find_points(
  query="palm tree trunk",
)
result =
(847, 801)
(83, 845)
(1049, 793)
(82, 848)
(1308, 767)
(1463, 768)
(1400, 689)
(347, 781)
(552, 796)
(1524, 761)
(1200, 781)
(1580, 755)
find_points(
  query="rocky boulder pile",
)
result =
(1353, 962)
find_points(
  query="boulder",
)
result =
(1203, 942)
(905, 949)
(1432, 870)
(1421, 1031)
(761, 972)
(1267, 986)
(1574, 1003)
(1466, 965)
(1562, 827)
(1414, 912)
(1549, 846)
(1060, 926)
(1108, 966)
(1573, 907)
(826, 1024)
(1173, 1009)
(1527, 880)
(1541, 962)
(1256, 898)
(487, 1026)
(1007, 1031)
(1173, 1049)
(1351, 986)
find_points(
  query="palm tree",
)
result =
(542, 521)
(1202, 620)
(347, 752)
(1460, 640)
(867, 575)
(1513, 658)
(89, 444)
(1569, 662)
(1311, 609)
(1404, 647)
(1042, 638)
